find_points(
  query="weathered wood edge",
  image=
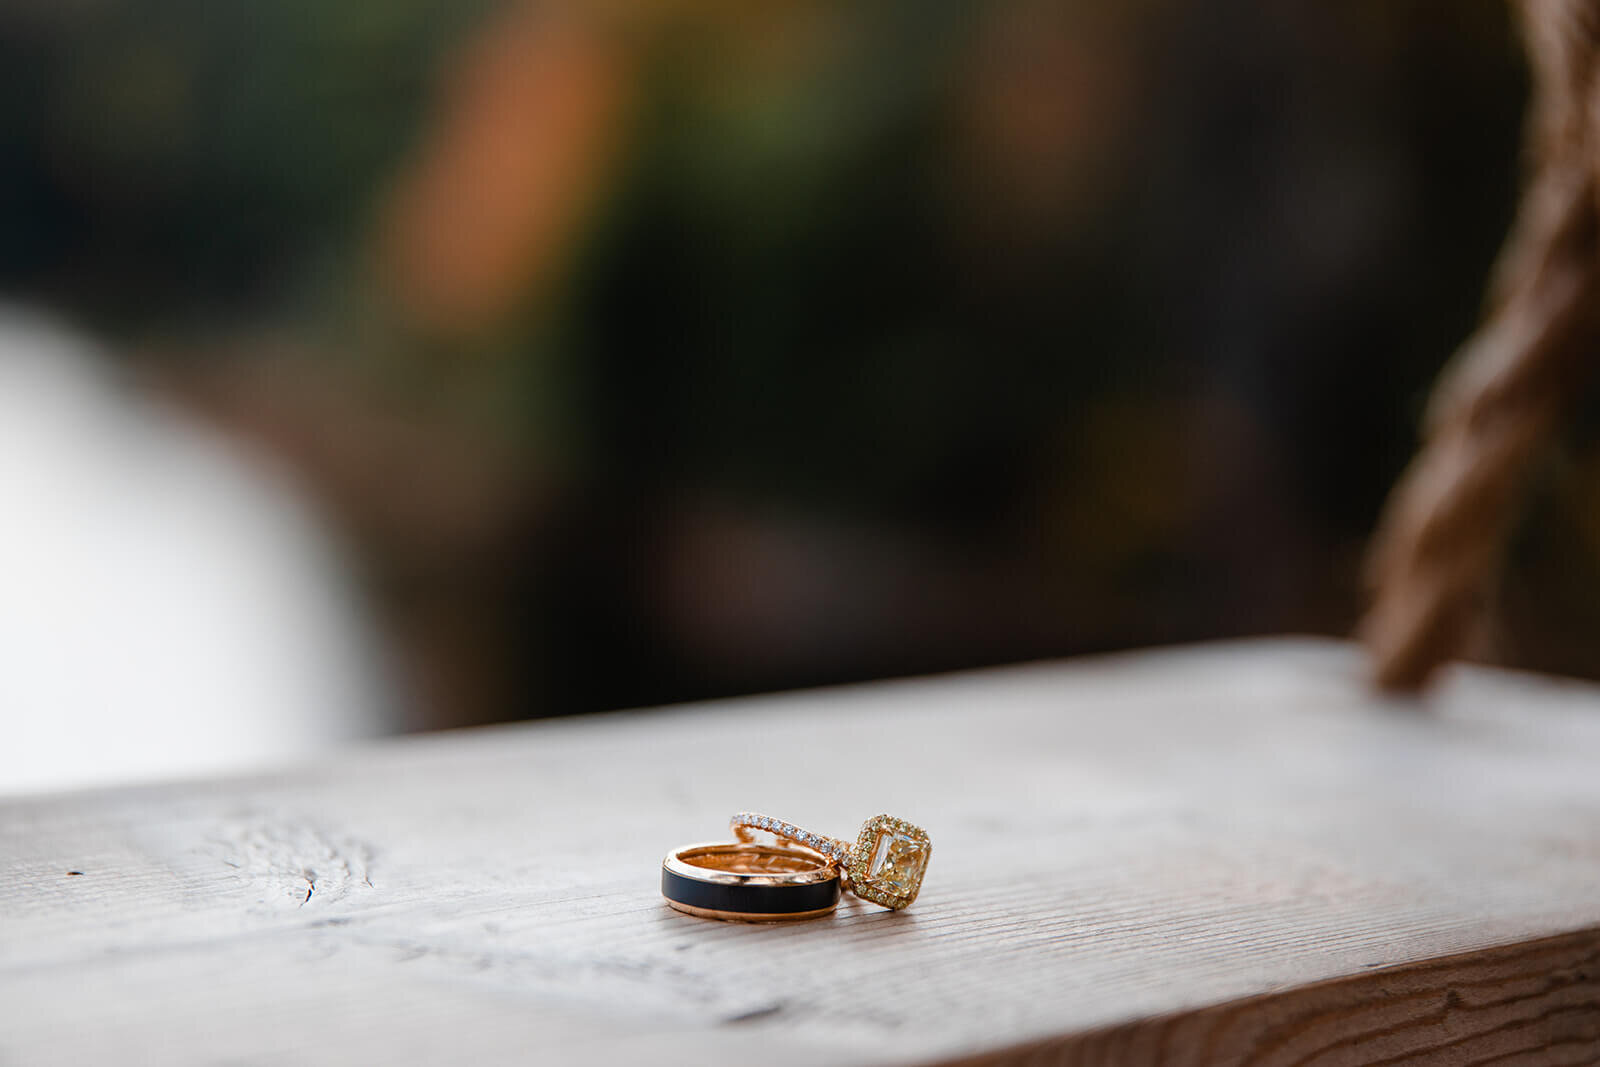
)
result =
(1532, 1002)
(1274, 1033)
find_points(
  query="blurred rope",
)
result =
(1443, 533)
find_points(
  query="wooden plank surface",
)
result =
(1222, 854)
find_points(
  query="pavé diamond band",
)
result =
(746, 822)
(885, 864)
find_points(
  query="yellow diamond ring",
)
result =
(885, 864)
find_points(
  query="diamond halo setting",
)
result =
(889, 860)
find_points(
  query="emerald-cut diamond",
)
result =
(897, 862)
(889, 861)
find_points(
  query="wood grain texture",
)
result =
(1529, 1003)
(1229, 854)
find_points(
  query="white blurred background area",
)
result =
(168, 604)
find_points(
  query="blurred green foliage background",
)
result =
(646, 352)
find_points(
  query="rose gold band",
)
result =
(747, 882)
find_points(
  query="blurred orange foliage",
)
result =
(507, 170)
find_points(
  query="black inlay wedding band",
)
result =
(746, 882)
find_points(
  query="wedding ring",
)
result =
(745, 882)
(885, 865)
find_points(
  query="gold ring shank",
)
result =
(885, 864)
(747, 824)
